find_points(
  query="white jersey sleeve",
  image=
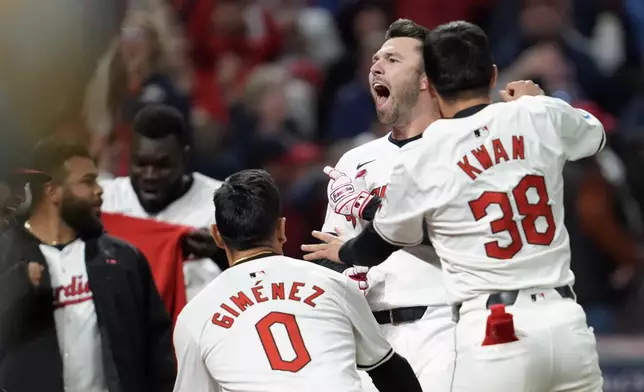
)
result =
(581, 133)
(401, 223)
(192, 373)
(372, 349)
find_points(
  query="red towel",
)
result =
(160, 243)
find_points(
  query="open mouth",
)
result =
(382, 94)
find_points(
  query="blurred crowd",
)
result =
(283, 85)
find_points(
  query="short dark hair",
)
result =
(406, 28)
(458, 61)
(157, 121)
(247, 209)
(49, 156)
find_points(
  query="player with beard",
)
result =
(161, 187)
(405, 293)
(68, 317)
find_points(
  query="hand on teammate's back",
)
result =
(329, 248)
(516, 90)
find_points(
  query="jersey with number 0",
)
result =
(277, 324)
(410, 277)
(489, 187)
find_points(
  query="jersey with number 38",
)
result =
(277, 324)
(489, 187)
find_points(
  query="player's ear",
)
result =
(281, 231)
(424, 82)
(217, 236)
(54, 192)
(495, 76)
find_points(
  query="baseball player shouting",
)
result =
(405, 293)
(272, 323)
(486, 183)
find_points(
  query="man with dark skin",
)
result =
(161, 187)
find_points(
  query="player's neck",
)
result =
(47, 226)
(450, 108)
(421, 116)
(239, 256)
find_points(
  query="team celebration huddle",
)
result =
(443, 264)
(451, 227)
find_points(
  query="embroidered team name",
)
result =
(278, 291)
(77, 291)
(481, 159)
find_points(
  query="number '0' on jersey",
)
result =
(490, 188)
(277, 324)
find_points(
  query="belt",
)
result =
(400, 315)
(508, 298)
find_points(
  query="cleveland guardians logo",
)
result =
(76, 292)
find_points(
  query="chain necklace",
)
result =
(241, 260)
(28, 227)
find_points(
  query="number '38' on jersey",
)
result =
(489, 186)
(277, 324)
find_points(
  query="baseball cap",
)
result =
(30, 175)
(12, 163)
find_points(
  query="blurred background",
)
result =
(282, 85)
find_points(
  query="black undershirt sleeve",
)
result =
(367, 248)
(395, 375)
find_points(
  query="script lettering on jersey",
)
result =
(77, 291)
(380, 192)
(277, 291)
(483, 158)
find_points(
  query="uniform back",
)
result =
(489, 185)
(280, 324)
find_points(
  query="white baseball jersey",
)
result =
(489, 187)
(410, 277)
(75, 317)
(277, 324)
(195, 209)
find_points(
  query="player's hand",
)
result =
(34, 271)
(199, 244)
(329, 249)
(348, 196)
(358, 273)
(516, 90)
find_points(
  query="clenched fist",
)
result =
(358, 274)
(516, 90)
(35, 270)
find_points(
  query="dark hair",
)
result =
(157, 121)
(405, 28)
(458, 61)
(49, 156)
(247, 209)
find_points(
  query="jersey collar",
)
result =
(259, 255)
(470, 111)
(401, 143)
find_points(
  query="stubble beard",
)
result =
(402, 102)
